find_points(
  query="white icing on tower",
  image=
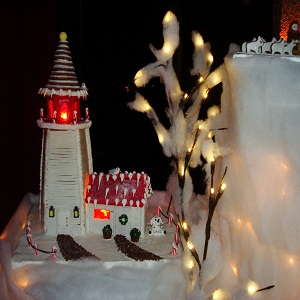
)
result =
(66, 158)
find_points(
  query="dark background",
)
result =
(109, 45)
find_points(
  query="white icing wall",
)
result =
(259, 213)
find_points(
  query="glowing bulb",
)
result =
(212, 190)
(168, 17)
(210, 135)
(291, 261)
(166, 48)
(185, 96)
(252, 287)
(184, 226)
(223, 186)
(200, 126)
(160, 138)
(205, 94)
(189, 150)
(217, 294)
(147, 107)
(210, 58)
(190, 265)
(64, 116)
(199, 40)
(190, 245)
(200, 79)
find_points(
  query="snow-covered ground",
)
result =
(25, 275)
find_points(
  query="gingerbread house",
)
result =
(118, 200)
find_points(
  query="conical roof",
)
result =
(63, 80)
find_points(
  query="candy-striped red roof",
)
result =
(123, 189)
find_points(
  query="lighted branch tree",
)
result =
(187, 138)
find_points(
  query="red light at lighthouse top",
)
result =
(63, 91)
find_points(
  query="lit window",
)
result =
(101, 214)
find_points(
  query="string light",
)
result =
(217, 295)
(160, 138)
(166, 48)
(210, 134)
(252, 287)
(190, 265)
(190, 245)
(184, 226)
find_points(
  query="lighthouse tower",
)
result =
(66, 157)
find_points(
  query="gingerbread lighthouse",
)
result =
(66, 156)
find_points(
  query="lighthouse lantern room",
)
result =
(66, 158)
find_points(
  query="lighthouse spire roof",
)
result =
(63, 80)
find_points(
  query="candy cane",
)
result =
(29, 223)
(170, 219)
(176, 238)
(158, 210)
(53, 252)
(29, 237)
(177, 228)
(28, 229)
(174, 249)
(36, 248)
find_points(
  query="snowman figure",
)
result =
(156, 226)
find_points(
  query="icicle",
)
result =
(117, 187)
(95, 203)
(106, 192)
(131, 202)
(125, 191)
(93, 177)
(117, 201)
(100, 177)
(133, 192)
(115, 177)
(130, 175)
(89, 199)
(107, 177)
(122, 177)
(137, 203)
(88, 187)
(124, 201)
(106, 202)
(138, 179)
